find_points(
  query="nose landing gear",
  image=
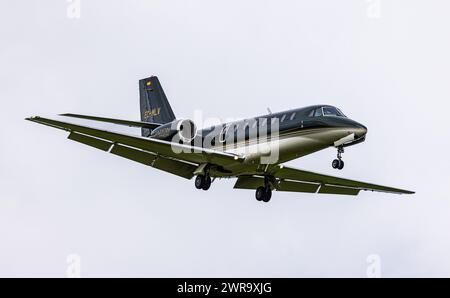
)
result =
(338, 163)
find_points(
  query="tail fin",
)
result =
(155, 107)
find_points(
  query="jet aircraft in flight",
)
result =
(252, 150)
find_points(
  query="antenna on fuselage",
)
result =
(268, 110)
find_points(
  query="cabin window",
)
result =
(293, 116)
(246, 131)
(283, 118)
(318, 112)
(264, 122)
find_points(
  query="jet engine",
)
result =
(183, 129)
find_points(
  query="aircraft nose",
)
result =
(360, 130)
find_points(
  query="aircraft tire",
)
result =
(206, 183)
(267, 195)
(341, 164)
(199, 181)
(335, 164)
(260, 193)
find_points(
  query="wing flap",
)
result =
(336, 190)
(295, 186)
(329, 181)
(253, 182)
(133, 154)
(175, 167)
(249, 182)
(90, 141)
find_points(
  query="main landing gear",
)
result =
(264, 193)
(203, 182)
(338, 163)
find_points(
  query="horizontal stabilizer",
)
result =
(115, 121)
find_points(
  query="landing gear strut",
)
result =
(338, 163)
(264, 193)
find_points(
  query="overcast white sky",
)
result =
(388, 70)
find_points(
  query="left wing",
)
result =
(178, 159)
(295, 180)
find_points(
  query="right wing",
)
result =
(295, 180)
(178, 159)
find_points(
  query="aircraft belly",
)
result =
(296, 147)
(301, 145)
(286, 147)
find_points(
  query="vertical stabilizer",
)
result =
(155, 107)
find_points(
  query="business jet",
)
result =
(253, 150)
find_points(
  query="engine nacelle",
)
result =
(184, 130)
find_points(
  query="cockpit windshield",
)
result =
(326, 111)
(332, 111)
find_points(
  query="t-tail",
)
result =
(155, 107)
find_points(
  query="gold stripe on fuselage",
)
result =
(290, 145)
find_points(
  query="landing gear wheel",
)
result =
(263, 194)
(268, 195)
(199, 181)
(203, 182)
(338, 163)
(206, 183)
(335, 164)
(260, 193)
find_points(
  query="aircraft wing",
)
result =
(178, 159)
(295, 180)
